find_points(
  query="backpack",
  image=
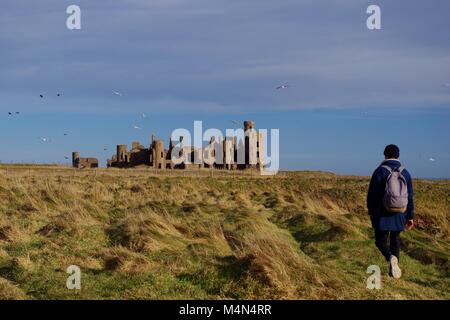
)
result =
(395, 197)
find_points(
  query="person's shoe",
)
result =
(396, 272)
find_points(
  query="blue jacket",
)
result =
(380, 217)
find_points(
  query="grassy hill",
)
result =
(300, 235)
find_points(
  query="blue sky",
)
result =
(352, 90)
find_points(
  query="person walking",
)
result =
(391, 206)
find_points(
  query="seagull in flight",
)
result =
(432, 159)
(44, 139)
(284, 86)
(136, 127)
(42, 96)
(117, 93)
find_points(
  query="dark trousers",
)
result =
(381, 240)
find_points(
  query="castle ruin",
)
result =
(229, 154)
(81, 163)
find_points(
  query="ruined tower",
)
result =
(158, 156)
(122, 153)
(229, 150)
(251, 144)
(81, 163)
(75, 159)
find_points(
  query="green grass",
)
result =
(302, 235)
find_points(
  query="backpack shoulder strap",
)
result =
(400, 169)
(387, 168)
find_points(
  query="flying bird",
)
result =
(284, 86)
(41, 95)
(117, 93)
(58, 95)
(65, 157)
(432, 159)
(66, 134)
(10, 113)
(136, 127)
(44, 139)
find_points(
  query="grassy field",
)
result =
(300, 235)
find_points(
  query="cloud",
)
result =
(225, 56)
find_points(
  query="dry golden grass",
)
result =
(297, 235)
